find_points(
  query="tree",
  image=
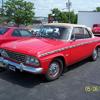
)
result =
(19, 11)
(56, 12)
(98, 9)
(63, 17)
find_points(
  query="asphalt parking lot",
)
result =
(70, 86)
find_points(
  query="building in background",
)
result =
(88, 18)
(38, 20)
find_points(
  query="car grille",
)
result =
(16, 56)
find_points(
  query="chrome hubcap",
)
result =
(95, 54)
(54, 69)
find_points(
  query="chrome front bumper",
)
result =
(21, 66)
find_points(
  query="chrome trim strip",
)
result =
(21, 66)
(69, 47)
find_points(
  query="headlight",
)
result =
(4, 53)
(32, 60)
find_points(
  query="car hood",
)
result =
(33, 46)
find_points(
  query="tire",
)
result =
(55, 70)
(2, 69)
(94, 55)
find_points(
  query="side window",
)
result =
(16, 33)
(22, 33)
(78, 33)
(87, 34)
(25, 33)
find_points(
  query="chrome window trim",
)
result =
(79, 27)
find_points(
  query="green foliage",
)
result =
(56, 12)
(98, 9)
(19, 11)
(63, 17)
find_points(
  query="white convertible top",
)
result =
(69, 25)
(65, 25)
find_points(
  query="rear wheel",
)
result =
(55, 70)
(94, 55)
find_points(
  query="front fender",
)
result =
(52, 56)
(45, 61)
(98, 45)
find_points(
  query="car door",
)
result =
(89, 44)
(13, 35)
(77, 50)
(6, 37)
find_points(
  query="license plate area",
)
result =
(12, 68)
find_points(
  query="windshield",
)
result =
(53, 32)
(3, 30)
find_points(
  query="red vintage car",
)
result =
(8, 34)
(96, 29)
(55, 47)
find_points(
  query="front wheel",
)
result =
(94, 55)
(55, 70)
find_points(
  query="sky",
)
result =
(43, 7)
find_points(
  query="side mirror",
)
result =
(73, 38)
